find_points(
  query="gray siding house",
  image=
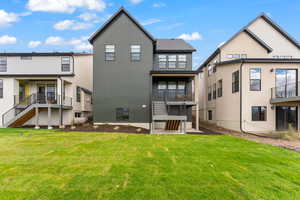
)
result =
(138, 79)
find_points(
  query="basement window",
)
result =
(259, 113)
(122, 114)
(210, 115)
(77, 115)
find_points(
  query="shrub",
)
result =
(290, 134)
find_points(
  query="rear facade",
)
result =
(139, 80)
(45, 89)
(250, 83)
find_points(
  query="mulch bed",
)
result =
(109, 128)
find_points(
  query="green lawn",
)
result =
(54, 165)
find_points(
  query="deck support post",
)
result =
(184, 131)
(49, 117)
(37, 118)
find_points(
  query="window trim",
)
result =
(132, 53)
(250, 80)
(214, 91)
(62, 65)
(175, 62)
(210, 115)
(165, 62)
(3, 66)
(181, 62)
(259, 114)
(1, 88)
(236, 82)
(123, 117)
(220, 88)
(106, 53)
(78, 92)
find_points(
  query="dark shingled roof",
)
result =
(173, 45)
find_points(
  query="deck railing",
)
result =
(285, 91)
(21, 104)
(172, 95)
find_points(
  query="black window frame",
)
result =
(107, 53)
(210, 115)
(220, 88)
(65, 67)
(255, 80)
(261, 115)
(3, 64)
(181, 61)
(78, 94)
(122, 114)
(173, 62)
(1, 88)
(214, 91)
(133, 54)
(236, 81)
(209, 94)
(77, 114)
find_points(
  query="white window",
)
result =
(65, 64)
(172, 61)
(243, 55)
(210, 69)
(181, 61)
(162, 85)
(181, 85)
(162, 61)
(3, 64)
(1, 88)
(230, 56)
(172, 85)
(110, 51)
(135, 52)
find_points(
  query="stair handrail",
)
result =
(30, 100)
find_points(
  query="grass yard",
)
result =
(55, 165)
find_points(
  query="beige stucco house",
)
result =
(250, 83)
(45, 89)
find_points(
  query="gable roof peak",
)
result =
(121, 10)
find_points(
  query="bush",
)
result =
(290, 134)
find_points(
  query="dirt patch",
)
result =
(291, 145)
(108, 128)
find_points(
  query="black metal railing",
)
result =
(285, 91)
(22, 103)
(172, 95)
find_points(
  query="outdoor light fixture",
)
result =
(272, 70)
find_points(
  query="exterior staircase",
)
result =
(159, 108)
(20, 113)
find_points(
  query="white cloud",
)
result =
(83, 46)
(159, 5)
(71, 25)
(7, 18)
(54, 40)
(135, 1)
(5, 39)
(88, 17)
(192, 36)
(34, 44)
(151, 21)
(65, 6)
(80, 44)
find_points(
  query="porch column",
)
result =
(196, 82)
(60, 90)
(49, 118)
(37, 117)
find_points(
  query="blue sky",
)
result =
(64, 25)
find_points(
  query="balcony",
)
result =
(174, 97)
(288, 93)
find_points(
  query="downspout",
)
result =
(241, 96)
